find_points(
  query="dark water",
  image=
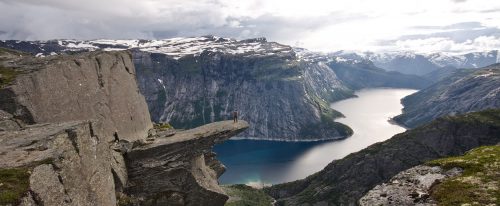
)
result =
(268, 162)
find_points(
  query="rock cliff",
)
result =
(462, 92)
(75, 130)
(180, 169)
(345, 181)
(278, 95)
(97, 85)
(66, 164)
(189, 82)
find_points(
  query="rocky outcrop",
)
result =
(410, 187)
(344, 181)
(74, 130)
(471, 179)
(69, 163)
(98, 85)
(180, 169)
(464, 91)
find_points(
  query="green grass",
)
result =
(242, 195)
(273, 69)
(478, 185)
(14, 183)
(6, 51)
(163, 126)
(7, 75)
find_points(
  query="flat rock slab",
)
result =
(217, 131)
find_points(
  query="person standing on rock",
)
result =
(235, 116)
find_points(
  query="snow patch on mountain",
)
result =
(180, 47)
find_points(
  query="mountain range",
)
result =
(422, 64)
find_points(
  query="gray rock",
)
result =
(45, 182)
(9, 125)
(28, 200)
(5, 115)
(74, 163)
(98, 85)
(177, 166)
(279, 95)
(410, 187)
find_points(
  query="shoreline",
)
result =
(290, 140)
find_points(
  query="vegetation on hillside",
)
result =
(478, 185)
(7, 75)
(14, 182)
(243, 195)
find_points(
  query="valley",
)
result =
(263, 162)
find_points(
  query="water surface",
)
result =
(271, 162)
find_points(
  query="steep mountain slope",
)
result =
(344, 181)
(440, 74)
(364, 74)
(193, 81)
(464, 91)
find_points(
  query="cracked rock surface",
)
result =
(77, 131)
(410, 187)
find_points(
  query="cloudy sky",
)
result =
(323, 25)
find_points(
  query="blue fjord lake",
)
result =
(262, 162)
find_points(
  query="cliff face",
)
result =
(189, 82)
(278, 95)
(74, 130)
(181, 169)
(97, 86)
(65, 164)
(344, 181)
(464, 91)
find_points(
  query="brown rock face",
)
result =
(180, 167)
(97, 85)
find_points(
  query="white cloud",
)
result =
(315, 24)
(430, 45)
